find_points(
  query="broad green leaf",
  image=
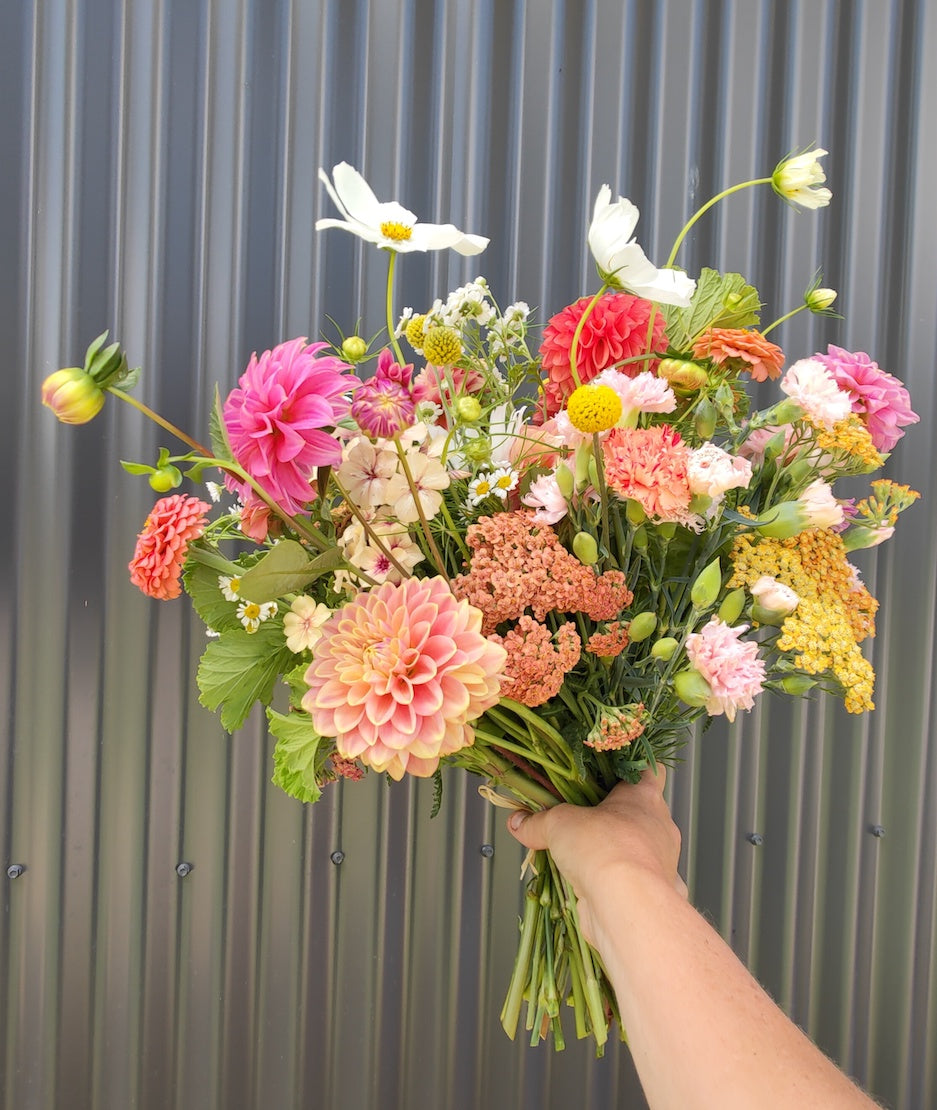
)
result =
(720, 301)
(241, 668)
(285, 569)
(299, 755)
(201, 584)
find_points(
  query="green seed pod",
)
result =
(691, 687)
(732, 605)
(706, 588)
(642, 626)
(664, 648)
(585, 549)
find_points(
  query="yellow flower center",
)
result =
(593, 408)
(390, 229)
(251, 611)
(504, 482)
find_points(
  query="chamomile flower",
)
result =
(229, 585)
(503, 480)
(214, 491)
(479, 489)
(252, 615)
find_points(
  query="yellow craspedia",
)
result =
(593, 408)
(414, 332)
(442, 346)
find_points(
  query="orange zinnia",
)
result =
(741, 349)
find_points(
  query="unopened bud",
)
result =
(691, 687)
(468, 409)
(565, 480)
(664, 648)
(796, 684)
(354, 348)
(73, 395)
(639, 539)
(166, 478)
(732, 605)
(683, 376)
(585, 548)
(634, 511)
(705, 589)
(704, 418)
(477, 450)
(642, 626)
(819, 300)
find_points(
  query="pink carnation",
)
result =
(398, 674)
(732, 668)
(174, 522)
(276, 416)
(880, 399)
(650, 466)
(615, 330)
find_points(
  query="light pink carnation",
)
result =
(881, 400)
(275, 419)
(813, 387)
(711, 471)
(398, 674)
(645, 392)
(731, 667)
(546, 498)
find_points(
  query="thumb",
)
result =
(529, 828)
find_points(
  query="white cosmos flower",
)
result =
(800, 180)
(621, 261)
(386, 223)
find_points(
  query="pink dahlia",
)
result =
(616, 329)
(650, 466)
(393, 371)
(732, 668)
(879, 399)
(174, 522)
(382, 408)
(398, 675)
(276, 418)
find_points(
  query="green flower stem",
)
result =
(603, 492)
(781, 319)
(424, 523)
(705, 208)
(511, 1010)
(590, 977)
(505, 747)
(574, 346)
(157, 419)
(454, 532)
(375, 539)
(391, 265)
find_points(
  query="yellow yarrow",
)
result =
(442, 346)
(849, 439)
(593, 408)
(835, 614)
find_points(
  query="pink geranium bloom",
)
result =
(280, 417)
(880, 399)
(650, 466)
(615, 330)
(731, 667)
(398, 675)
(174, 522)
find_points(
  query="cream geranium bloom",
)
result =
(622, 263)
(386, 223)
(800, 180)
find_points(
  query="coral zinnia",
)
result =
(174, 522)
(741, 349)
(616, 329)
(276, 416)
(399, 673)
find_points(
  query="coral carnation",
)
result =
(276, 416)
(398, 674)
(650, 466)
(174, 522)
(732, 668)
(881, 400)
(741, 349)
(615, 330)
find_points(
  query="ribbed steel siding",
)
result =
(158, 178)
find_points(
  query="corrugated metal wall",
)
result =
(158, 178)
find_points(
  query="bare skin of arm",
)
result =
(702, 1032)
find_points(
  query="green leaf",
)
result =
(285, 569)
(241, 668)
(437, 792)
(299, 757)
(221, 448)
(295, 679)
(201, 584)
(136, 468)
(720, 301)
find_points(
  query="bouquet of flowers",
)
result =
(539, 565)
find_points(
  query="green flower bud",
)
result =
(786, 412)
(468, 409)
(642, 626)
(585, 548)
(684, 377)
(565, 480)
(477, 450)
(639, 539)
(73, 395)
(166, 478)
(705, 589)
(667, 530)
(593, 472)
(732, 605)
(354, 348)
(704, 419)
(635, 513)
(819, 300)
(664, 648)
(691, 687)
(796, 684)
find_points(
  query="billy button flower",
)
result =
(76, 393)
(442, 346)
(414, 332)
(593, 408)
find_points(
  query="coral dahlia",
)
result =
(399, 673)
(174, 522)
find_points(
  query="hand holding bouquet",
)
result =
(541, 566)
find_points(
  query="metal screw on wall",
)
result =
(878, 831)
(337, 857)
(487, 850)
(755, 838)
(183, 869)
(15, 870)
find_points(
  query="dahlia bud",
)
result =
(684, 377)
(166, 478)
(73, 395)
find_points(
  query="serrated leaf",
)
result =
(241, 668)
(720, 301)
(296, 681)
(285, 569)
(299, 755)
(201, 584)
(220, 445)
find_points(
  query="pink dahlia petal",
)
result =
(415, 670)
